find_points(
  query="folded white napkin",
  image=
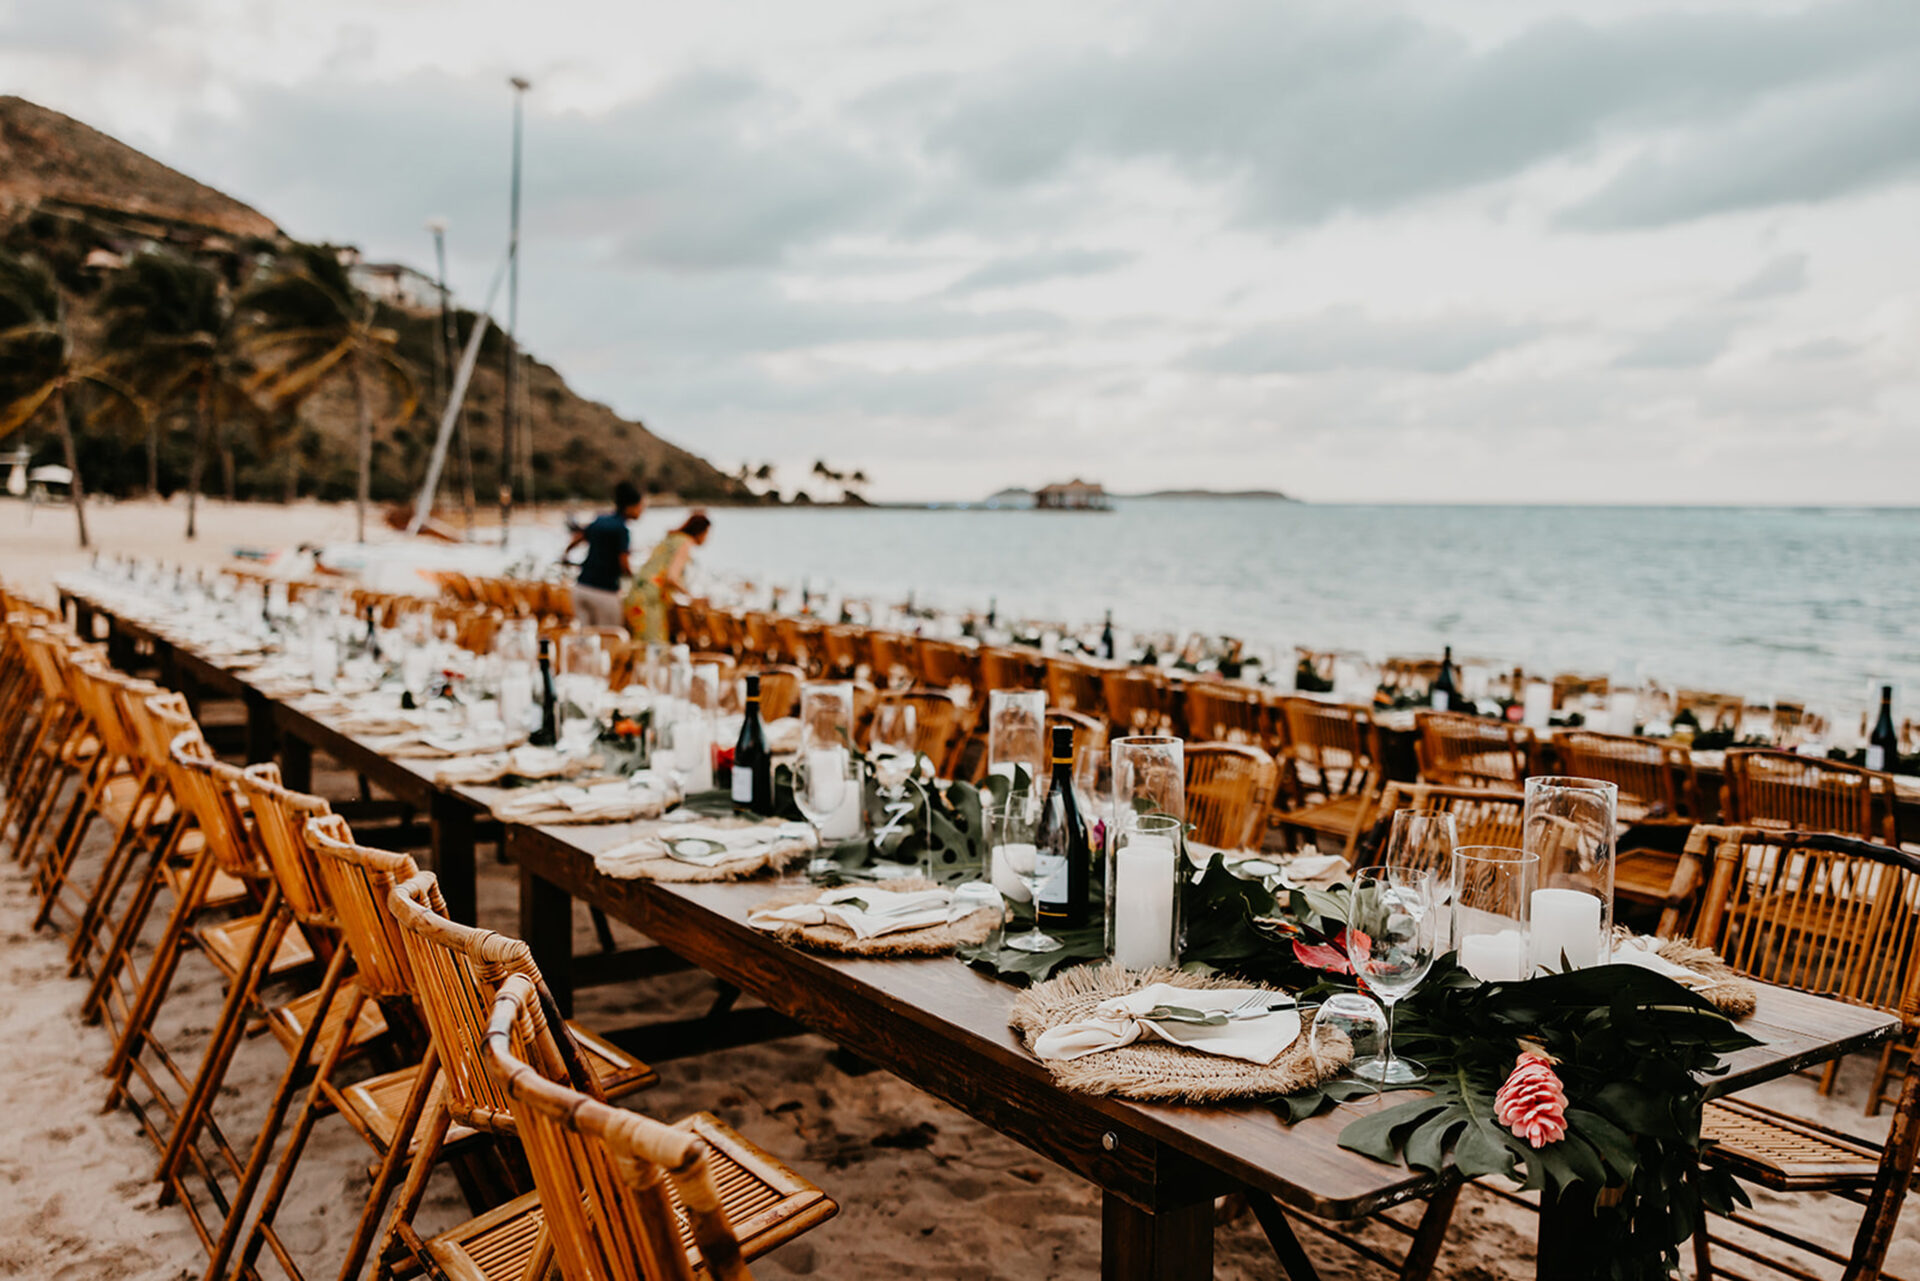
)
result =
(703, 845)
(1312, 867)
(641, 796)
(865, 911)
(1643, 952)
(1122, 1020)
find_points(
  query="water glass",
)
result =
(1355, 1018)
(1492, 899)
(1569, 825)
(1393, 920)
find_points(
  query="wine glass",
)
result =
(1392, 923)
(584, 671)
(1016, 826)
(826, 782)
(892, 743)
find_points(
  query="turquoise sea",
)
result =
(1767, 602)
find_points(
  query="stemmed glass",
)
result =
(584, 669)
(1016, 826)
(1392, 924)
(825, 780)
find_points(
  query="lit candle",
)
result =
(1143, 902)
(1536, 710)
(1565, 922)
(326, 660)
(1500, 957)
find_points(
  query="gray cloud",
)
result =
(1310, 109)
(1031, 268)
(1784, 275)
(1688, 343)
(1345, 338)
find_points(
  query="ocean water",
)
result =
(1815, 604)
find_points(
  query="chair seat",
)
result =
(373, 1107)
(226, 945)
(768, 1205)
(289, 1022)
(1336, 815)
(1645, 876)
(617, 1071)
(1783, 1152)
(223, 890)
(117, 800)
(79, 748)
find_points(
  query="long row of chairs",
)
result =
(433, 1040)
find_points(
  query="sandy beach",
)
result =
(924, 1191)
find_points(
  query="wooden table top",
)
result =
(943, 1026)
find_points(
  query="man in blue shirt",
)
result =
(596, 593)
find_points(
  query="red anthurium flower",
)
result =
(1331, 957)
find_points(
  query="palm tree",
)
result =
(170, 328)
(311, 324)
(39, 364)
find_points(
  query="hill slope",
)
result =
(82, 200)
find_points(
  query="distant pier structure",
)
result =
(1075, 496)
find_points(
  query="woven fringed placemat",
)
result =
(1155, 1071)
(1724, 987)
(646, 859)
(935, 940)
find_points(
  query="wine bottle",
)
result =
(1444, 694)
(1883, 745)
(549, 732)
(1062, 856)
(1106, 638)
(752, 782)
(373, 639)
(993, 610)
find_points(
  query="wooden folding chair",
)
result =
(937, 722)
(454, 972)
(1481, 815)
(1229, 789)
(1076, 687)
(1331, 769)
(779, 690)
(1839, 917)
(620, 1197)
(1135, 701)
(1657, 789)
(1221, 712)
(1471, 751)
(1784, 790)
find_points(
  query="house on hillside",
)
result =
(397, 284)
(1076, 495)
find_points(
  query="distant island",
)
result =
(1017, 497)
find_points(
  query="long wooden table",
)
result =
(943, 1027)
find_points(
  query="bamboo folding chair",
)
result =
(1002, 668)
(756, 637)
(890, 658)
(1712, 711)
(937, 723)
(1839, 917)
(1135, 701)
(1784, 790)
(454, 972)
(1481, 815)
(839, 655)
(779, 690)
(1471, 751)
(62, 750)
(1074, 686)
(951, 666)
(626, 1198)
(1229, 789)
(1218, 712)
(1330, 768)
(1657, 788)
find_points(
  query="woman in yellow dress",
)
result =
(661, 578)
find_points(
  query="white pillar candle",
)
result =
(325, 661)
(1536, 709)
(693, 750)
(516, 697)
(1623, 708)
(830, 789)
(1500, 957)
(1143, 902)
(1565, 922)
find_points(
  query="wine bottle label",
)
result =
(743, 786)
(1440, 701)
(1876, 757)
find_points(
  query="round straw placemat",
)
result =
(934, 940)
(1724, 987)
(1155, 1071)
(646, 859)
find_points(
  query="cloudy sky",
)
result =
(1504, 250)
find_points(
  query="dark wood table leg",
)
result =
(262, 735)
(453, 840)
(546, 923)
(119, 646)
(1168, 1245)
(296, 763)
(1572, 1246)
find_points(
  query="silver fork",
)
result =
(1259, 1005)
